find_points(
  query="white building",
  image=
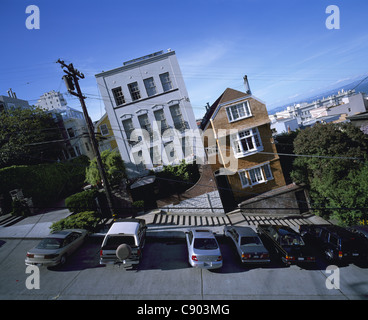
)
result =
(148, 94)
(328, 109)
(72, 123)
(51, 100)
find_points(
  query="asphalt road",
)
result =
(164, 273)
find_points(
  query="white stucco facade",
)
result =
(148, 93)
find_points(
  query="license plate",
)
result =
(300, 259)
(355, 254)
(255, 257)
(207, 264)
(39, 256)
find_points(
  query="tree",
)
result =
(337, 165)
(28, 136)
(114, 167)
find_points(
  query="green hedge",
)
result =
(83, 220)
(86, 201)
(44, 183)
(82, 201)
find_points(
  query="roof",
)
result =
(227, 96)
(202, 233)
(60, 234)
(245, 231)
(124, 227)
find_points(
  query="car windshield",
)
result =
(50, 243)
(291, 240)
(249, 241)
(205, 244)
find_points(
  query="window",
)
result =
(134, 91)
(104, 129)
(145, 123)
(128, 127)
(165, 81)
(177, 118)
(246, 142)
(160, 117)
(118, 96)
(238, 111)
(255, 175)
(150, 86)
(71, 132)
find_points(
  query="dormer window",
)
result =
(238, 111)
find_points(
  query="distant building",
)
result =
(11, 102)
(334, 108)
(51, 100)
(148, 94)
(71, 123)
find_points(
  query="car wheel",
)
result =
(63, 259)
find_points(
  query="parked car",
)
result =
(56, 247)
(203, 249)
(288, 243)
(124, 242)
(334, 242)
(361, 230)
(248, 244)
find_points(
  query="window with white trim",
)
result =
(128, 127)
(238, 111)
(256, 175)
(134, 91)
(104, 129)
(166, 81)
(150, 86)
(118, 96)
(246, 142)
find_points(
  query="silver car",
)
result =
(203, 249)
(56, 247)
(248, 244)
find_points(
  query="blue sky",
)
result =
(283, 46)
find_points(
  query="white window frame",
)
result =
(250, 136)
(150, 86)
(166, 81)
(245, 175)
(238, 111)
(134, 91)
(104, 128)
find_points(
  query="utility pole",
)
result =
(71, 81)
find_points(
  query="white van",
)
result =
(124, 242)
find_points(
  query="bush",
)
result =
(138, 204)
(82, 201)
(83, 220)
(44, 183)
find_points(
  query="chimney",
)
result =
(246, 85)
(10, 93)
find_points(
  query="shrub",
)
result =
(82, 201)
(82, 220)
(138, 204)
(44, 183)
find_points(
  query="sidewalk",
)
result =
(34, 227)
(162, 224)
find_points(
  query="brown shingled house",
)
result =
(238, 132)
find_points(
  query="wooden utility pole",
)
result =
(71, 80)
